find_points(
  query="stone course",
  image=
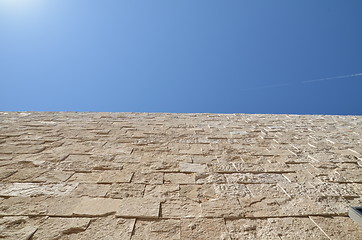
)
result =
(128, 176)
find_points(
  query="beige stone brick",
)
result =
(139, 208)
(126, 190)
(179, 178)
(157, 229)
(203, 228)
(338, 227)
(180, 209)
(95, 207)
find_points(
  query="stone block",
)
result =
(139, 208)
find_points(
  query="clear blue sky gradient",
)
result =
(225, 56)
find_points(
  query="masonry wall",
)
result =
(179, 176)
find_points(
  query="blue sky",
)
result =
(233, 56)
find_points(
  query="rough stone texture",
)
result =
(179, 176)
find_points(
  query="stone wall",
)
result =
(179, 176)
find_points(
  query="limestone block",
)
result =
(115, 176)
(210, 178)
(162, 192)
(222, 208)
(53, 176)
(281, 207)
(197, 193)
(203, 228)
(5, 172)
(180, 209)
(126, 190)
(192, 167)
(248, 229)
(25, 175)
(18, 228)
(148, 178)
(255, 178)
(139, 208)
(95, 207)
(91, 190)
(231, 190)
(269, 190)
(291, 228)
(338, 227)
(179, 178)
(61, 206)
(91, 177)
(35, 189)
(158, 229)
(23, 206)
(58, 228)
(107, 228)
(20, 149)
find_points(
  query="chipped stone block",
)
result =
(231, 190)
(338, 227)
(91, 177)
(192, 167)
(157, 229)
(35, 189)
(179, 178)
(54, 176)
(115, 176)
(91, 190)
(96, 207)
(248, 229)
(221, 208)
(19, 227)
(281, 207)
(58, 228)
(255, 178)
(203, 228)
(25, 175)
(291, 228)
(23, 206)
(105, 228)
(180, 209)
(260, 190)
(197, 193)
(148, 178)
(209, 178)
(163, 192)
(139, 208)
(126, 190)
(4, 172)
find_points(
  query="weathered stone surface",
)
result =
(126, 190)
(107, 228)
(91, 190)
(231, 190)
(58, 228)
(19, 228)
(163, 192)
(197, 193)
(178, 176)
(35, 189)
(203, 228)
(95, 207)
(115, 176)
(222, 208)
(249, 178)
(180, 209)
(158, 229)
(192, 167)
(338, 227)
(139, 208)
